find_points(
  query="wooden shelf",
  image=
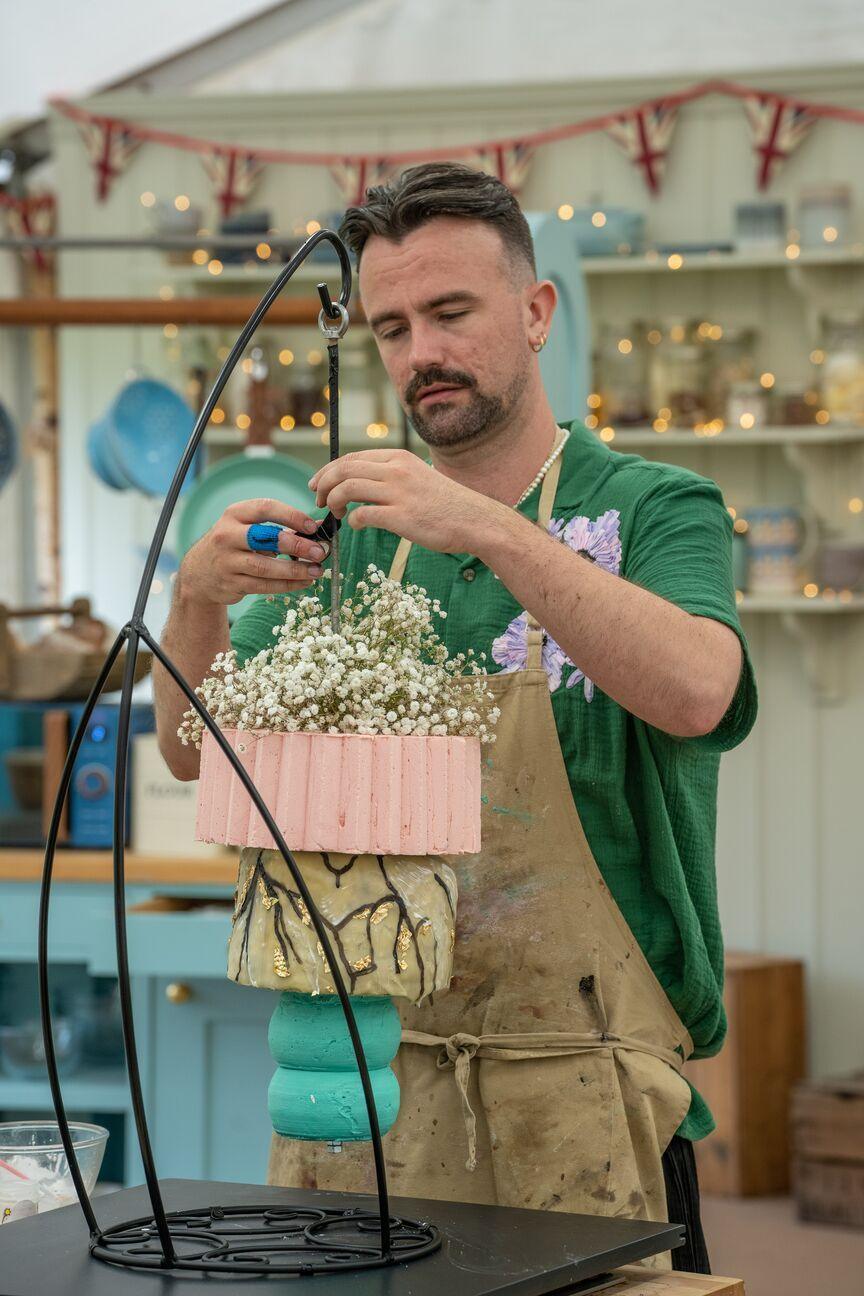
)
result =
(257, 272)
(799, 603)
(807, 435)
(21, 864)
(308, 436)
(54, 312)
(767, 259)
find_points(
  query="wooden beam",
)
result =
(22, 864)
(93, 311)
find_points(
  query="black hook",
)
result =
(327, 301)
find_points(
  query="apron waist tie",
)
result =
(459, 1049)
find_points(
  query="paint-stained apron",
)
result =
(549, 1074)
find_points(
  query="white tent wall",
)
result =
(790, 859)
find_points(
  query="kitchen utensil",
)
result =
(34, 1149)
(782, 540)
(22, 1050)
(619, 231)
(760, 225)
(824, 213)
(8, 446)
(840, 565)
(148, 428)
(102, 461)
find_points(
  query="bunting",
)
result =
(110, 146)
(778, 126)
(233, 175)
(645, 135)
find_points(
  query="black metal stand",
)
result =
(254, 1239)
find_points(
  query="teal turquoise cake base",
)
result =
(316, 1091)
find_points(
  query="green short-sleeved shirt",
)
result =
(647, 801)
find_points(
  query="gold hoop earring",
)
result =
(538, 346)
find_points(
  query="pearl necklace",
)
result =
(547, 464)
(544, 467)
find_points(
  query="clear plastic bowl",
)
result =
(22, 1050)
(33, 1149)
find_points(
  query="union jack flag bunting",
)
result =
(233, 174)
(511, 163)
(354, 176)
(110, 146)
(32, 217)
(645, 135)
(778, 126)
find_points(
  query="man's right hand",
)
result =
(222, 569)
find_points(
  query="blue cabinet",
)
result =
(201, 1039)
(209, 1096)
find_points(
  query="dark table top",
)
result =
(485, 1249)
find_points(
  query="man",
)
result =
(588, 956)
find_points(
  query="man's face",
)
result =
(448, 313)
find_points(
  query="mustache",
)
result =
(452, 377)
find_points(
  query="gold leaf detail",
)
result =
(404, 938)
(243, 889)
(362, 963)
(381, 912)
(267, 899)
(280, 967)
(324, 962)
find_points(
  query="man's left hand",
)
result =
(397, 492)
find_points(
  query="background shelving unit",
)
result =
(780, 293)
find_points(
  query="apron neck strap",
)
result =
(534, 631)
(400, 558)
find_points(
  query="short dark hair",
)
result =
(435, 189)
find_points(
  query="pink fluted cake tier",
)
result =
(375, 794)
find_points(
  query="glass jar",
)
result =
(843, 368)
(730, 362)
(678, 373)
(308, 383)
(746, 406)
(358, 406)
(621, 375)
(824, 215)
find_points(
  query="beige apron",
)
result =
(551, 1066)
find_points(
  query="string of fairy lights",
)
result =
(201, 257)
(705, 332)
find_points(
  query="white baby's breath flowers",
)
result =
(385, 672)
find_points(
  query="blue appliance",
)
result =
(565, 361)
(34, 740)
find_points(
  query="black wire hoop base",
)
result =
(266, 1240)
(259, 1240)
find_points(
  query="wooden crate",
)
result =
(748, 1086)
(828, 1150)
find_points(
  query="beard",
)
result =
(452, 423)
